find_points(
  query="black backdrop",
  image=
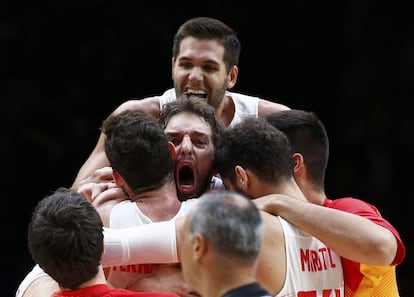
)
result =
(65, 65)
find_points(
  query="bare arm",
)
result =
(92, 190)
(103, 196)
(351, 236)
(271, 273)
(97, 159)
(267, 107)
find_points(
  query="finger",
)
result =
(98, 189)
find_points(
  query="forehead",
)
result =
(201, 49)
(187, 122)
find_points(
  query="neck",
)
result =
(289, 188)
(312, 194)
(98, 279)
(225, 112)
(159, 205)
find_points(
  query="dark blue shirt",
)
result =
(250, 290)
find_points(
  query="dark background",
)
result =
(65, 65)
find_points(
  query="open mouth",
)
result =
(196, 93)
(185, 177)
(202, 96)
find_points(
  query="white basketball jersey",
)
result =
(127, 214)
(313, 269)
(245, 106)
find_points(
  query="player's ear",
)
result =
(199, 247)
(242, 179)
(119, 181)
(234, 72)
(173, 152)
(172, 67)
(298, 162)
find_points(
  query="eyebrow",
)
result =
(192, 133)
(190, 59)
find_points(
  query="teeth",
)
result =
(201, 92)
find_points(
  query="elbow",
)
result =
(382, 251)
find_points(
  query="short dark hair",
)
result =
(65, 237)
(211, 29)
(307, 135)
(255, 145)
(137, 149)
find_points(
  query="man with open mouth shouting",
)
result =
(143, 190)
(190, 124)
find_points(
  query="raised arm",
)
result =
(97, 159)
(267, 107)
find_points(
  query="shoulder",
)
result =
(267, 107)
(106, 201)
(272, 273)
(273, 227)
(42, 286)
(149, 105)
(353, 205)
(151, 294)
